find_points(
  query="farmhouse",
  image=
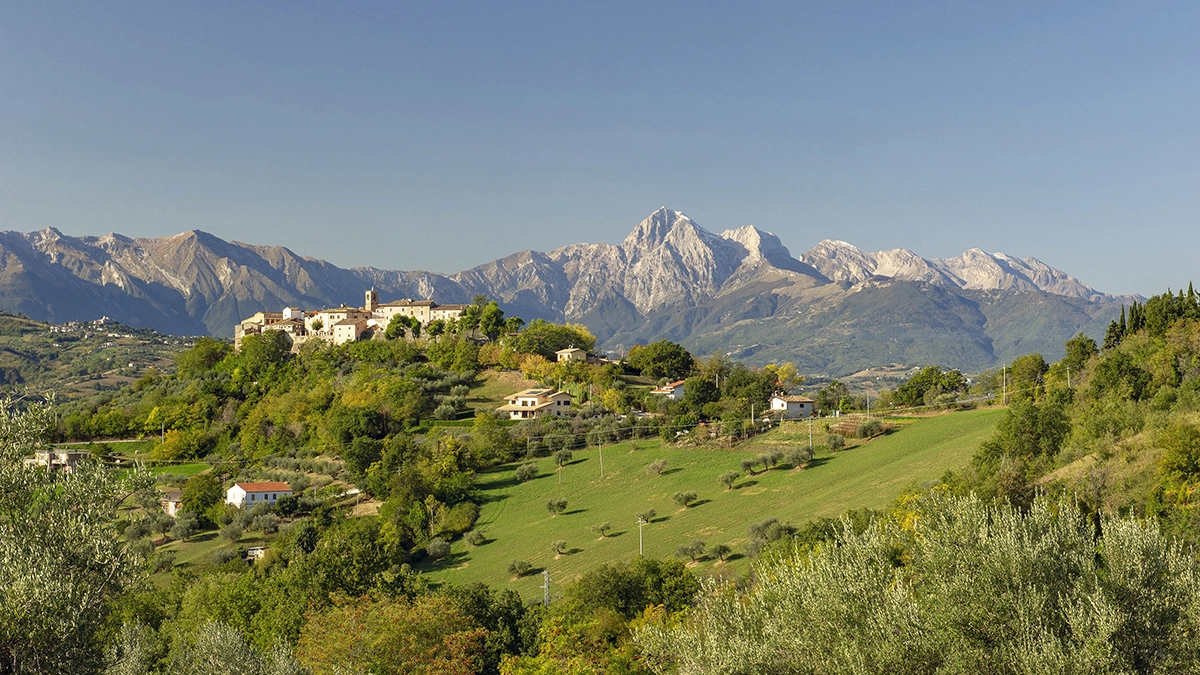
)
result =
(339, 325)
(571, 354)
(672, 390)
(533, 403)
(243, 494)
(57, 460)
(792, 407)
(172, 502)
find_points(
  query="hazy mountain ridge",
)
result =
(740, 291)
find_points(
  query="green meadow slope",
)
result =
(518, 526)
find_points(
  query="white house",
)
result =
(533, 403)
(249, 494)
(672, 390)
(792, 407)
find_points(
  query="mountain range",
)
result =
(833, 310)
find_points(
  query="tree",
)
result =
(556, 505)
(799, 457)
(262, 353)
(362, 452)
(201, 494)
(835, 441)
(1080, 350)
(656, 467)
(1026, 378)
(399, 324)
(61, 562)
(491, 319)
(685, 499)
(559, 547)
(957, 600)
(437, 548)
(693, 550)
(647, 516)
(721, 551)
(185, 526)
(662, 359)
(526, 472)
(602, 529)
(426, 635)
(728, 479)
(204, 356)
(563, 457)
(519, 568)
(748, 466)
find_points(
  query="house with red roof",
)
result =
(249, 494)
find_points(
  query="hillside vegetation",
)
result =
(517, 525)
(80, 359)
(1050, 535)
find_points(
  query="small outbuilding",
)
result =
(792, 407)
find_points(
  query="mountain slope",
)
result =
(834, 309)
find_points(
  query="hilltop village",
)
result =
(340, 325)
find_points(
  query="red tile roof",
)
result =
(264, 487)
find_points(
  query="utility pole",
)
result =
(546, 587)
(641, 522)
(1004, 384)
(810, 443)
(600, 448)
(1068, 377)
(162, 439)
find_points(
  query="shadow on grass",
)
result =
(817, 461)
(672, 470)
(613, 535)
(660, 519)
(700, 502)
(573, 512)
(734, 556)
(573, 551)
(749, 483)
(533, 572)
(452, 560)
(485, 498)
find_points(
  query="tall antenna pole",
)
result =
(1004, 383)
(641, 522)
(600, 448)
(546, 587)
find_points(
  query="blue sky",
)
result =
(443, 135)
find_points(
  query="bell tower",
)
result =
(372, 300)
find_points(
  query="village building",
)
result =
(792, 407)
(249, 494)
(339, 325)
(57, 460)
(534, 403)
(172, 502)
(672, 390)
(571, 354)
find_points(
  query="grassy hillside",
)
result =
(518, 526)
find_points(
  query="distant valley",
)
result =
(833, 310)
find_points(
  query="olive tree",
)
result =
(61, 561)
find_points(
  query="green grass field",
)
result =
(518, 526)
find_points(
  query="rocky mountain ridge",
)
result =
(668, 278)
